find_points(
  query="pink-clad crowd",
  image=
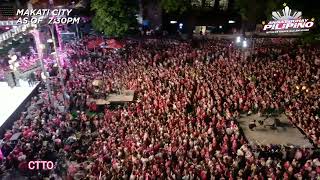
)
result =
(2, 73)
(183, 121)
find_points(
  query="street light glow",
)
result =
(180, 25)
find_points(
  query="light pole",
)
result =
(57, 57)
(230, 51)
(45, 75)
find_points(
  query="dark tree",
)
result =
(114, 17)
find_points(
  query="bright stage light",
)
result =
(244, 44)
(14, 57)
(49, 40)
(231, 22)
(238, 40)
(173, 22)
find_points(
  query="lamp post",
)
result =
(57, 57)
(45, 74)
(244, 44)
(229, 52)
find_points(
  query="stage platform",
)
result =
(284, 134)
(11, 99)
(123, 97)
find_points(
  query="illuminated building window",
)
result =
(7, 11)
(209, 3)
(197, 3)
(223, 4)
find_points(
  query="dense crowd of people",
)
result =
(26, 63)
(183, 123)
(3, 68)
(2, 74)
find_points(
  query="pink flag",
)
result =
(1, 155)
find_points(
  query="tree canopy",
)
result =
(258, 10)
(175, 5)
(255, 10)
(114, 17)
(186, 5)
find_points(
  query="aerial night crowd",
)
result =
(183, 121)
